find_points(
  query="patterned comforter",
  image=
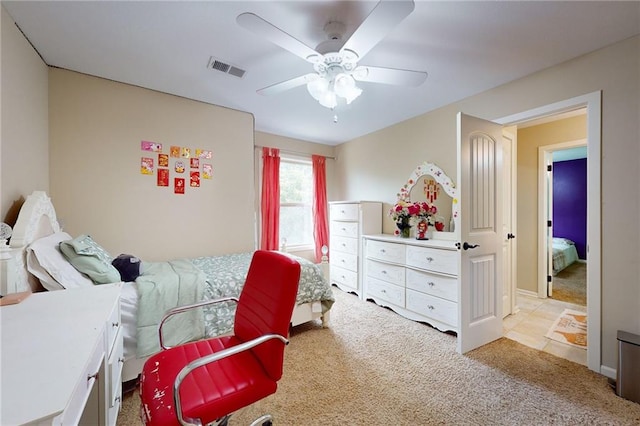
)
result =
(226, 275)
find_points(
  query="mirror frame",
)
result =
(445, 182)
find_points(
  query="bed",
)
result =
(564, 254)
(39, 262)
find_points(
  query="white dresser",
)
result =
(349, 220)
(418, 279)
(61, 358)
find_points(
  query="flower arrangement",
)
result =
(406, 214)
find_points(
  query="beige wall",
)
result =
(529, 140)
(374, 166)
(24, 149)
(96, 127)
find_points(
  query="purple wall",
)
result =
(570, 202)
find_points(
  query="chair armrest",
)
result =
(186, 370)
(173, 311)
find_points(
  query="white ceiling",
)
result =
(466, 48)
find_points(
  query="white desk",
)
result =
(60, 354)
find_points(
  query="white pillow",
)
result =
(46, 262)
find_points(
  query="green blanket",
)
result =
(162, 286)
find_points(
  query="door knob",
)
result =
(510, 236)
(468, 246)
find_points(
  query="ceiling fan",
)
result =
(335, 61)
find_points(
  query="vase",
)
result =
(404, 228)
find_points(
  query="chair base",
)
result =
(265, 420)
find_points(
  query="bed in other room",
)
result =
(564, 254)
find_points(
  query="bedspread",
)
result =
(162, 286)
(226, 275)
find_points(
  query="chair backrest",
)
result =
(266, 304)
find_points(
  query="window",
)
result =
(296, 200)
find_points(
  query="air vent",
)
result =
(221, 66)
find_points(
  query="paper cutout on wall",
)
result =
(185, 152)
(175, 151)
(201, 153)
(178, 184)
(146, 166)
(207, 171)
(163, 177)
(150, 146)
(179, 166)
(431, 190)
(195, 179)
(163, 160)
(195, 163)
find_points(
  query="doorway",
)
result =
(592, 104)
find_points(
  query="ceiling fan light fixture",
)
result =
(317, 88)
(345, 87)
(328, 99)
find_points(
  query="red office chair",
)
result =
(206, 381)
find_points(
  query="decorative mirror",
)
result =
(429, 183)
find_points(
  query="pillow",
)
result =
(91, 259)
(128, 266)
(46, 262)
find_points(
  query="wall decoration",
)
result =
(175, 151)
(179, 166)
(163, 177)
(195, 163)
(431, 190)
(185, 152)
(195, 180)
(207, 171)
(201, 153)
(150, 146)
(163, 160)
(146, 166)
(178, 185)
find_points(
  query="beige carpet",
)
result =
(372, 367)
(570, 284)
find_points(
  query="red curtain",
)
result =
(320, 222)
(270, 203)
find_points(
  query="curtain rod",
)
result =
(286, 151)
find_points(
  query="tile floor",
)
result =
(534, 318)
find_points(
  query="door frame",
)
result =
(593, 103)
(545, 205)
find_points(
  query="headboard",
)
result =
(37, 219)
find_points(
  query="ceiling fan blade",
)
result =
(288, 84)
(389, 76)
(256, 24)
(386, 15)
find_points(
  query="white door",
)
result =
(509, 182)
(480, 197)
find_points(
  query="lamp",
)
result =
(335, 80)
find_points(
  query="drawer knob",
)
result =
(115, 324)
(92, 376)
(431, 307)
(383, 272)
(383, 251)
(383, 291)
(429, 259)
(121, 360)
(431, 283)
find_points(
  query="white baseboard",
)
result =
(527, 293)
(608, 372)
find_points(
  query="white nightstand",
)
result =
(8, 268)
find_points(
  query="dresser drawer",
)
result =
(114, 365)
(112, 412)
(344, 229)
(113, 327)
(344, 244)
(386, 291)
(388, 252)
(433, 307)
(386, 272)
(435, 285)
(344, 211)
(344, 260)
(445, 261)
(343, 276)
